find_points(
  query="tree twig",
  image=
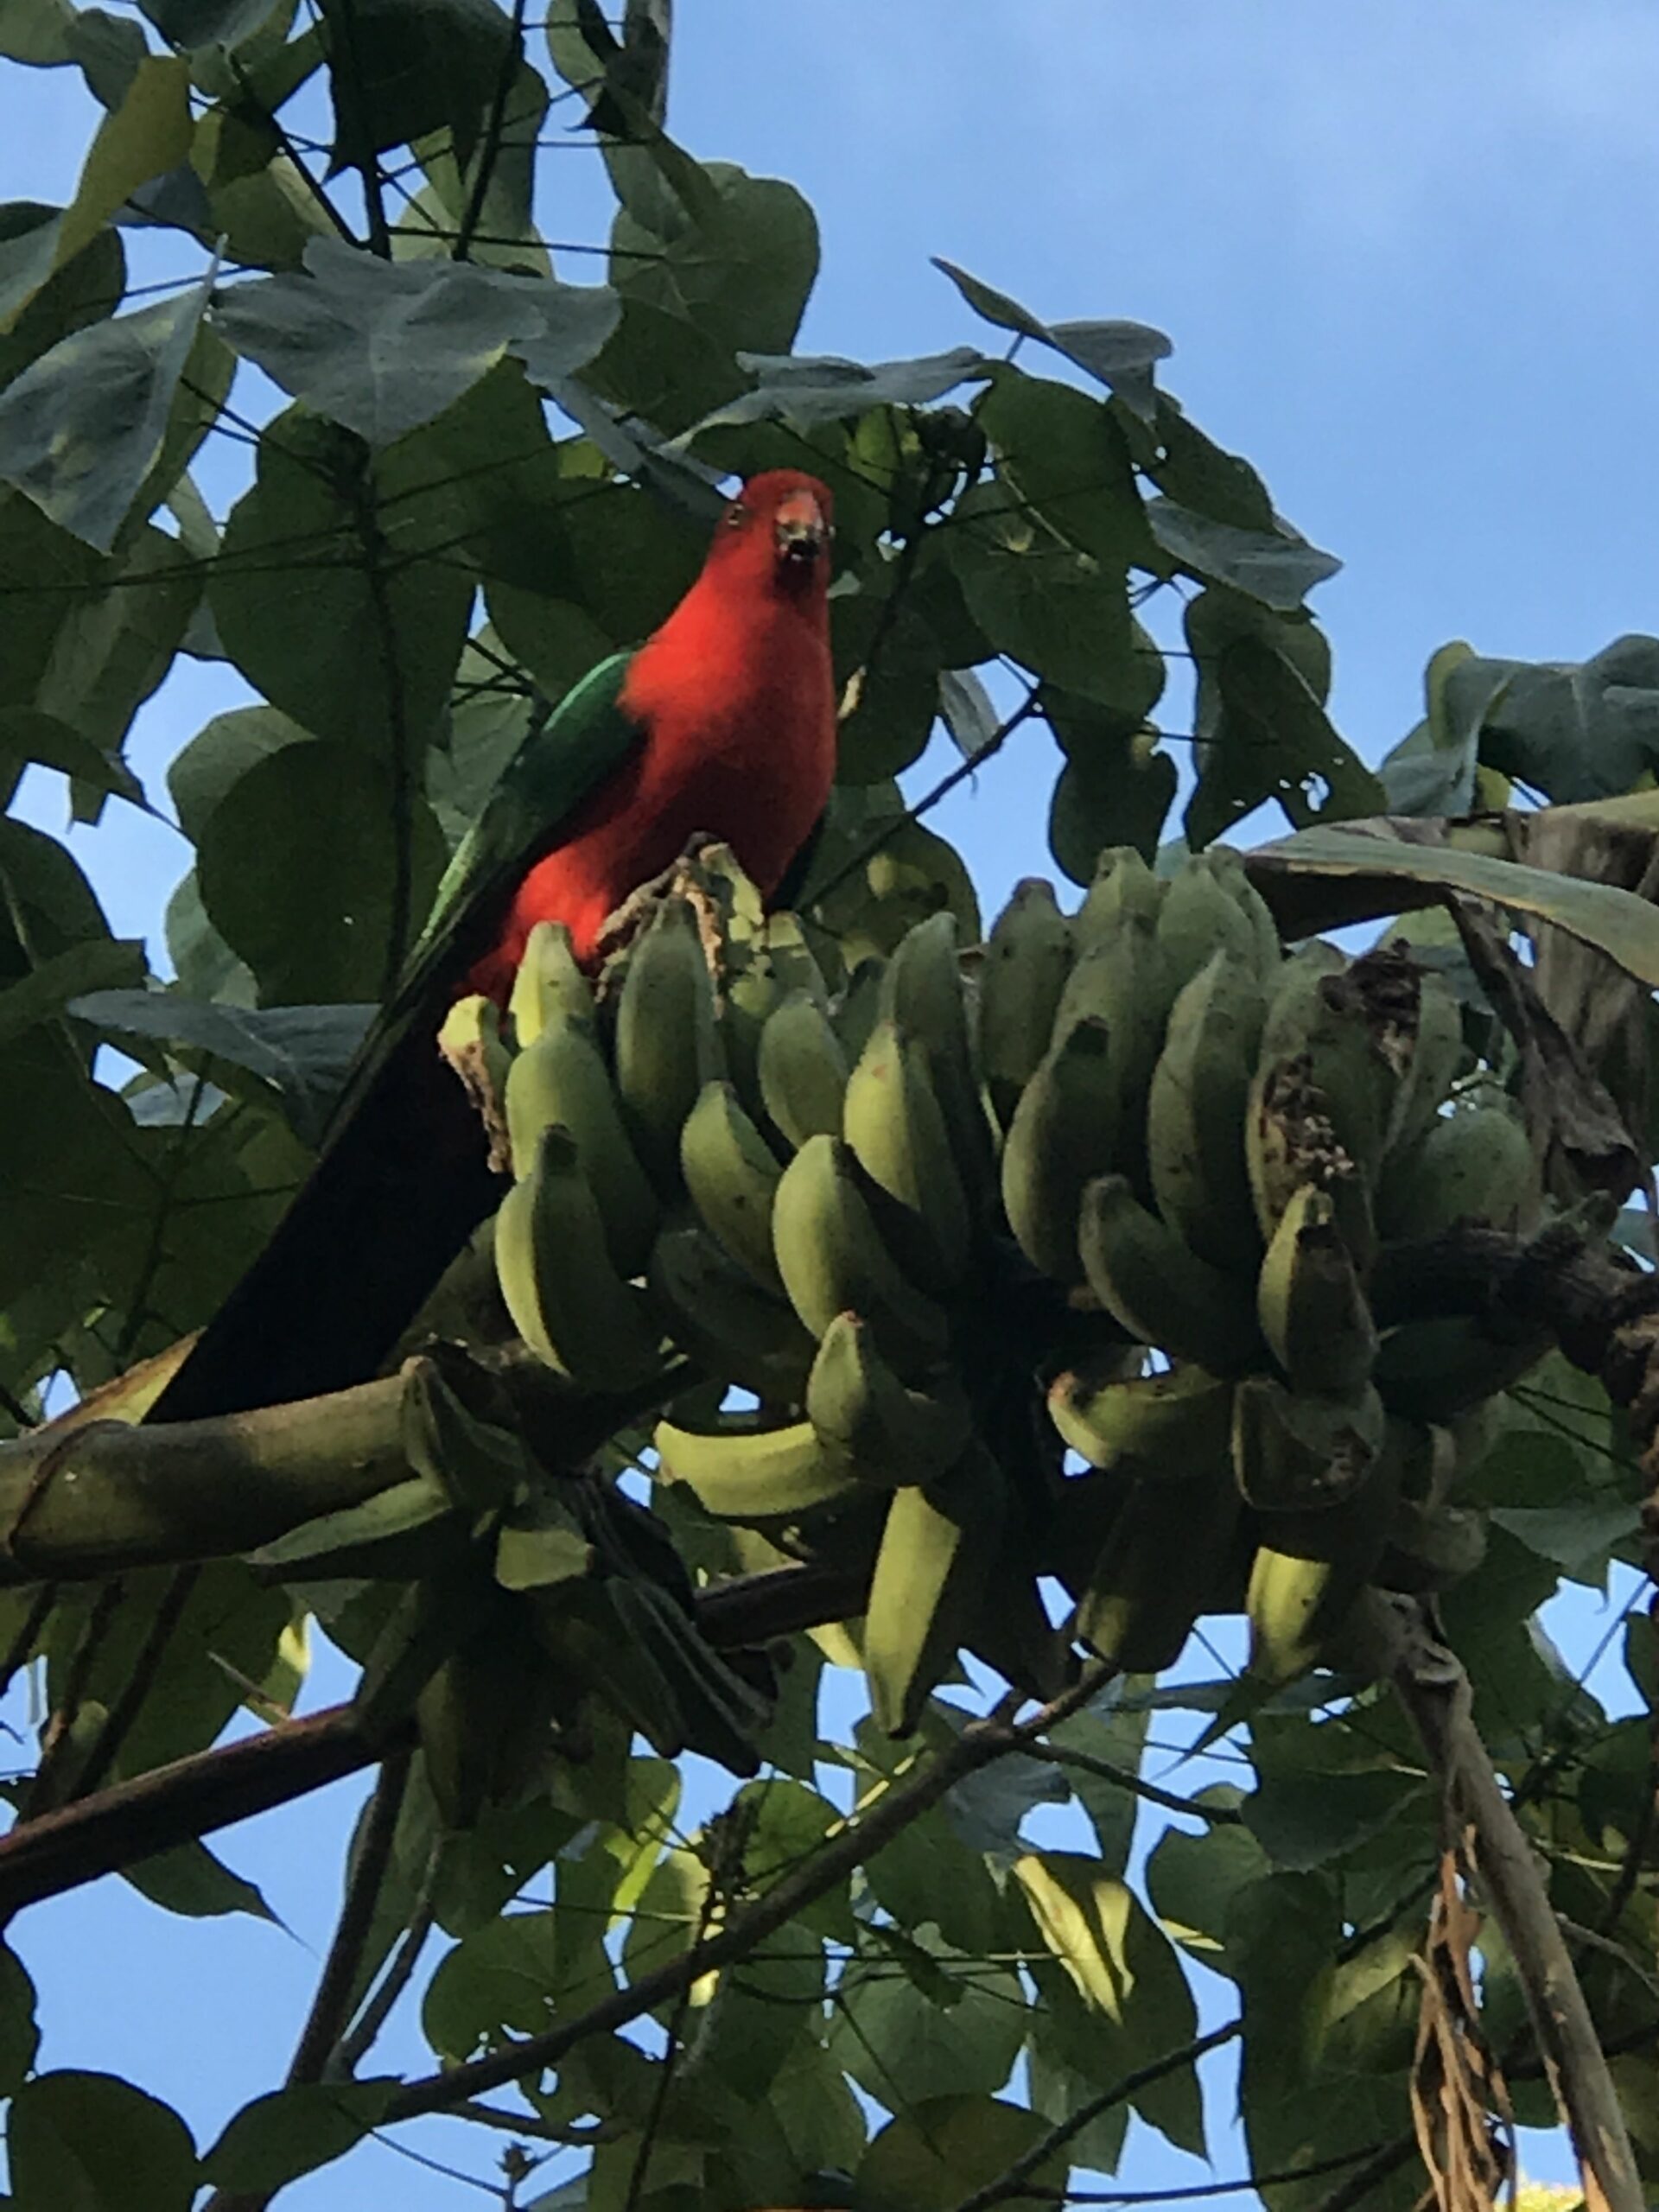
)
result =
(981, 1744)
(1062, 1755)
(1008, 2182)
(361, 2037)
(494, 125)
(331, 2007)
(145, 1667)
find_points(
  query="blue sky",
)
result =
(1404, 250)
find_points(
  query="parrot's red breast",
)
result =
(736, 699)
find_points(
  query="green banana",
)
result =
(833, 1259)
(561, 1076)
(1153, 1287)
(1331, 1048)
(731, 1178)
(1176, 1424)
(1160, 1567)
(858, 1007)
(1200, 917)
(801, 1070)
(1475, 1164)
(667, 1044)
(1293, 1004)
(718, 1313)
(1064, 1132)
(1227, 864)
(1437, 1053)
(936, 1549)
(773, 963)
(861, 1409)
(1196, 1113)
(1437, 1369)
(1121, 977)
(748, 1470)
(550, 986)
(1292, 1453)
(567, 1300)
(922, 992)
(1304, 1579)
(1311, 1304)
(894, 1124)
(1027, 957)
(1122, 884)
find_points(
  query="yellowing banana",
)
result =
(1149, 1283)
(561, 1076)
(930, 1572)
(1027, 958)
(1196, 1113)
(893, 1122)
(732, 1179)
(1312, 1309)
(567, 1300)
(801, 1070)
(861, 1409)
(751, 1471)
(470, 1040)
(1178, 1424)
(1310, 1567)
(667, 1044)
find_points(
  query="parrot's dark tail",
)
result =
(395, 1195)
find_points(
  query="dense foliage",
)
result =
(483, 479)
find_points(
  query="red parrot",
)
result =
(722, 722)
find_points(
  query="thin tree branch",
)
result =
(145, 1667)
(1387, 2161)
(488, 152)
(331, 2005)
(189, 1798)
(979, 1744)
(349, 81)
(1061, 1755)
(1008, 2182)
(17, 1651)
(360, 2039)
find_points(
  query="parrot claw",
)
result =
(685, 879)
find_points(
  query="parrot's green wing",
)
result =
(587, 736)
(584, 741)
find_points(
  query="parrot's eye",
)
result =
(736, 515)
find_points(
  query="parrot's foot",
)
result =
(683, 880)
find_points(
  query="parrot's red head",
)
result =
(777, 532)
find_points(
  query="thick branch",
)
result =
(1433, 1688)
(173, 1804)
(89, 1500)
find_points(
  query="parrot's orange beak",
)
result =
(803, 528)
